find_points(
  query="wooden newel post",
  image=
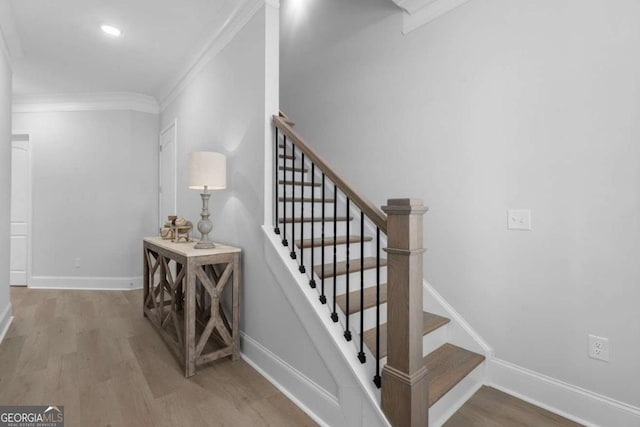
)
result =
(405, 388)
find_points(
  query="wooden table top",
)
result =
(187, 248)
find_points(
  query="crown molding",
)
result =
(109, 101)
(216, 42)
(420, 12)
(412, 6)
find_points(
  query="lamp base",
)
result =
(205, 245)
(205, 225)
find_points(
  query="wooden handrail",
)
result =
(286, 119)
(374, 213)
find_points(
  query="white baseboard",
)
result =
(86, 283)
(580, 405)
(314, 400)
(6, 317)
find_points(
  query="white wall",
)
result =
(499, 104)
(95, 181)
(5, 186)
(223, 110)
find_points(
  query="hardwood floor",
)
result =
(94, 353)
(492, 408)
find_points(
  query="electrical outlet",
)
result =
(77, 262)
(599, 348)
(519, 219)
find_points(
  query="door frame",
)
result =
(173, 124)
(29, 265)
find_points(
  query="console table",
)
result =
(183, 299)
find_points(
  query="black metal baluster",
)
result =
(361, 355)
(377, 380)
(347, 333)
(293, 203)
(301, 268)
(312, 282)
(334, 314)
(323, 298)
(275, 180)
(284, 193)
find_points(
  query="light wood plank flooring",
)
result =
(94, 353)
(492, 408)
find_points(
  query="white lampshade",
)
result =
(207, 168)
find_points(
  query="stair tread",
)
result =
(282, 156)
(447, 366)
(295, 169)
(341, 266)
(328, 241)
(305, 200)
(430, 322)
(315, 219)
(369, 300)
(304, 183)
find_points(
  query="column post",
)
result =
(405, 388)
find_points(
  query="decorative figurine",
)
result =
(176, 229)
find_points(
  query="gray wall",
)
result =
(499, 104)
(94, 190)
(223, 110)
(5, 180)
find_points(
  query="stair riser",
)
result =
(306, 176)
(341, 253)
(341, 227)
(317, 214)
(297, 210)
(435, 340)
(454, 398)
(430, 342)
(305, 191)
(290, 150)
(369, 318)
(354, 283)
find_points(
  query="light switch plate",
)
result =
(519, 219)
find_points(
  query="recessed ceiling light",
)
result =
(111, 30)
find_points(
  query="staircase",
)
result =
(366, 265)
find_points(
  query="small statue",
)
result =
(176, 229)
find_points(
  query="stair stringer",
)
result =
(358, 398)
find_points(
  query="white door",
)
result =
(167, 184)
(20, 201)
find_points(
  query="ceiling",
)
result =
(57, 45)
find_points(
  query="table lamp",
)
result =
(207, 171)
